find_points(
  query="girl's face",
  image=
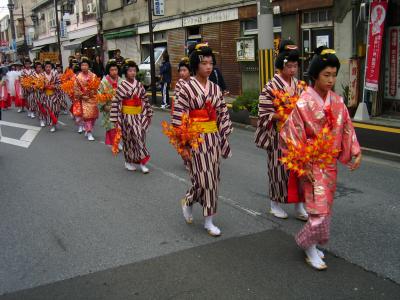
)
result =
(326, 79)
(290, 69)
(38, 69)
(113, 72)
(59, 70)
(47, 68)
(84, 67)
(184, 73)
(131, 73)
(205, 67)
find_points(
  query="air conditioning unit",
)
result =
(91, 8)
(40, 16)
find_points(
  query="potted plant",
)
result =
(248, 101)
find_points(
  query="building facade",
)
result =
(220, 23)
(78, 29)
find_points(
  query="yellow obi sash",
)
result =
(208, 126)
(131, 110)
(49, 92)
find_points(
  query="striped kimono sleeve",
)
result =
(224, 123)
(265, 125)
(147, 109)
(116, 104)
(181, 106)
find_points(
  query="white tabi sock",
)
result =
(211, 228)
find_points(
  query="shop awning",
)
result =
(76, 43)
(37, 49)
(121, 34)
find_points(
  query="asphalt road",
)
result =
(75, 225)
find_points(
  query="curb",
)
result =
(366, 151)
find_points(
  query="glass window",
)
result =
(314, 17)
(306, 18)
(250, 24)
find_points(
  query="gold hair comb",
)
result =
(328, 51)
(198, 46)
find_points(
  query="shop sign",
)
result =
(52, 56)
(158, 6)
(392, 74)
(375, 36)
(245, 50)
(354, 82)
(213, 17)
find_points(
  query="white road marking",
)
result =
(26, 139)
(62, 123)
(222, 198)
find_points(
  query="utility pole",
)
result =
(265, 41)
(152, 62)
(100, 41)
(23, 26)
(10, 6)
(58, 32)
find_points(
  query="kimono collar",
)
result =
(204, 89)
(319, 99)
(290, 88)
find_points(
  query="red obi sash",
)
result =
(132, 102)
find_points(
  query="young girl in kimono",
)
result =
(184, 75)
(87, 98)
(27, 93)
(38, 98)
(267, 134)
(320, 106)
(203, 102)
(132, 112)
(110, 82)
(51, 97)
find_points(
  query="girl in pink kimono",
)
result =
(317, 107)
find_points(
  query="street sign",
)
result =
(158, 7)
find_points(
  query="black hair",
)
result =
(129, 63)
(48, 62)
(184, 63)
(85, 60)
(27, 60)
(201, 50)
(111, 63)
(287, 52)
(322, 58)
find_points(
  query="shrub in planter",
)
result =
(247, 101)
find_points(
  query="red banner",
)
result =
(375, 35)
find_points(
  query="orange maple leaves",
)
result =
(117, 139)
(319, 151)
(284, 103)
(67, 82)
(32, 82)
(185, 137)
(106, 95)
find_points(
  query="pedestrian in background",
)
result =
(98, 67)
(165, 74)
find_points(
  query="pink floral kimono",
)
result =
(305, 122)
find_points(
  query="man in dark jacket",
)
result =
(218, 79)
(165, 74)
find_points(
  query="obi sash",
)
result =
(131, 106)
(201, 118)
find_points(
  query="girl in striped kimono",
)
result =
(184, 75)
(320, 106)
(51, 95)
(132, 113)
(202, 100)
(267, 135)
(110, 82)
(27, 93)
(38, 95)
(86, 97)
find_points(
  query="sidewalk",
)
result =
(266, 265)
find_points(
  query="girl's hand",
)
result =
(356, 164)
